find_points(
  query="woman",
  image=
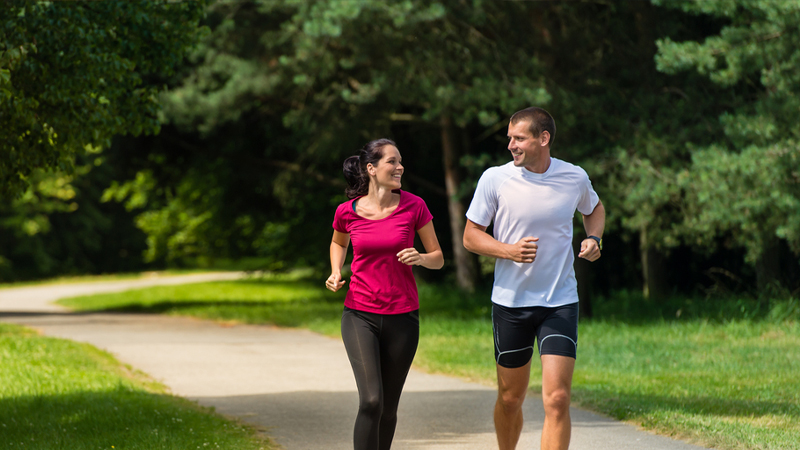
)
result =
(380, 322)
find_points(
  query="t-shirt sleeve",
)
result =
(423, 214)
(484, 203)
(589, 198)
(340, 218)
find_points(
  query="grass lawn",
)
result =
(70, 279)
(721, 373)
(58, 394)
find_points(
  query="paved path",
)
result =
(294, 385)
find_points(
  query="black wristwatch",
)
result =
(599, 241)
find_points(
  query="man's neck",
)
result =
(541, 165)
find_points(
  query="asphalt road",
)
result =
(294, 385)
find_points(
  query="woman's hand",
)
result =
(410, 257)
(334, 282)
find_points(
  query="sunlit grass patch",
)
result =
(58, 394)
(722, 384)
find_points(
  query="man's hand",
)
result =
(590, 250)
(524, 251)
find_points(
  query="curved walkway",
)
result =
(294, 385)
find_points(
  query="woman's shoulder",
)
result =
(345, 206)
(409, 198)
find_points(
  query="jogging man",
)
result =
(532, 201)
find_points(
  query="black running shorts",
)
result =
(517, 329)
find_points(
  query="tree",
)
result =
(338, 73)
(74, 74)
(747, 185)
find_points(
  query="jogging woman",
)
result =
(380, 322)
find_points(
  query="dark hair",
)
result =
(539, 119)
(355, 167)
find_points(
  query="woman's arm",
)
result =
(339, 244)
(433, 259)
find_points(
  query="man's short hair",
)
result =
(538, 119)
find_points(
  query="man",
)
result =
(532, 201)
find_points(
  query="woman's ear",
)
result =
(370, 169)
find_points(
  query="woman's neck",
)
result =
(380, 197)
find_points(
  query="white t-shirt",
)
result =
(522, 203)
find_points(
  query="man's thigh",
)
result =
(517, 330)
(512, 383)
(557, 333)
(557, 373)
(514, 335)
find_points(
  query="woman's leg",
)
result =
(360, 335)
(399, 339)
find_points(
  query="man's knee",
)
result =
(556, 403)
(512, 385)
(511, 400)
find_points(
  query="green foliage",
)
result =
(755, 193)
(58, 226)
(747, 184)
(319, 79)
(74, 74)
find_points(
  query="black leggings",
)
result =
(381, 348)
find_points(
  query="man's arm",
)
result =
(477, 240)
(594, 224)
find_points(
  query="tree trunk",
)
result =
(466, 269)
(768, 266)
(654, 271)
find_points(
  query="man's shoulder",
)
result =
(567, 169)
(496, 176)
(504, 171)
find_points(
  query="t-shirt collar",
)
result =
(538, 176)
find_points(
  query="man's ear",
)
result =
(545, 137)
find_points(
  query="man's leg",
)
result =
(512, 384)
(556, 390)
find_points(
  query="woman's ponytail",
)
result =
(357, 181)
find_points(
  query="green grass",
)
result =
(731, 385)
(290, 303)
(70, 279)
(57, 394)
(720, 372)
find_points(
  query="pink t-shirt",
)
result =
(380, 283)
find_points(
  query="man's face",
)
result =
(523, 146)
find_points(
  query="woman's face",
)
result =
(389, 169)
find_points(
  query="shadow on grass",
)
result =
(627, 406)
(122, 418)
(295, 313)
(632, 308)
